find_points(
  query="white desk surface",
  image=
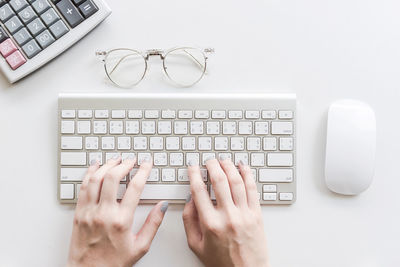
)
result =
(321, 50)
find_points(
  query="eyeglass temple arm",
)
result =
(207, 50)
(104, 53)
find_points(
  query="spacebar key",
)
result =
(156, 191)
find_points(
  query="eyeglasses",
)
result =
(184, 66)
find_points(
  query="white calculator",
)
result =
(33, 32)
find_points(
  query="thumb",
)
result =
(150, 227)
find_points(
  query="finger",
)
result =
(95, 181)
(250, 185)
(192, 225)
(235, 181)
(82, 197)
(112, 178)
(150, 227)
(200, 194)
(219, 183)
(135, 187)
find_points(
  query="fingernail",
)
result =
(223, 157)
(189, 197)
(242, 163)
(164, 206)
(93, 162)
(191, 163)
(209, 158)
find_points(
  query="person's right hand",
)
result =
(230, 233)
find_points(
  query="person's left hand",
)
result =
(102, 234)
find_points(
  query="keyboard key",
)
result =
(268, 114)
(193, 158)
(282, 127)
(204, 143)
(169, 191)
(235, 114)
(286, 143)
(218, 114)
(196, 127)
(172, 143)
(275, 175)
(151, 114)
(40, 6)
(116, 127)
(252, 114)
(156, 143)
(245, 127)
(148, 127)
(71, 142)
(261, 128)
(92, 143)
(257, 159)
(154, 175)
(285, 114)
(269, 188)
(70, 13)
(269, 143)
(27, 15)
(131, 127)
(67, 191)
(164, 127)
(45, 39)
(68, 113)
(244, 157)
(168, 114)
(88, 8)
(58, 29)
(142, 157)
(5, 13)
(176, 159)
(160, 159)
(13, 25)
(237, 143)
(107, 143)
(22, 36)
(3, 35)
(183, 175)
(100, 114)
(202, 114)
(72, 174)
(229, 127)
(213, 127)
(49, 17)
(221, 143)
(139, 143)
(15, 60)
(67, 127)
(253, 143)
(135, 114)
(185, 114)
(18, 5)
(85, 114)
(118, 114)
(83, 127)
(124, 143)
(36, 27)
(286, 196)
(280, 159)
(96, 156)
(99, 127)
(180, 127)
(73, 158)
(269, 196)
(167, 175)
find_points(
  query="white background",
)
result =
(321, 50)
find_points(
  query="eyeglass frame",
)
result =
(157, 52)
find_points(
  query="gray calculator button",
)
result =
(2, 2)
(49, 17)
(36, 27)
(58, 29)
(41, 6)
(45, 39)
(6, 12)
(18, 5)
(27, 15)
(88, 8)
(70, 13)
(22, 36)
(13, 24)
(31, 49)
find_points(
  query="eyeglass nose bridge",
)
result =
(154, 52)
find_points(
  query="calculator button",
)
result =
(13, 24)
(41, 6)
(88, 8)
(45, 39)
(18, 5)
(58, 29)
(49, 17)
(22, 36)
(7, 47)
(2, 2)
(70, 13)
(15, 60)
(3, 35)
(27, 15)
(31, 49)
(6, 12)
(78, 2)
(36, 27)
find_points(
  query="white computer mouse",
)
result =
(350, 147)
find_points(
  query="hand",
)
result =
(230, 233)
(102, 234)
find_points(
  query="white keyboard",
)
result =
(258, 129)
(33, 32)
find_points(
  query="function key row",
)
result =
(180, 114)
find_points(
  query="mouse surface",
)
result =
(350, 147)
